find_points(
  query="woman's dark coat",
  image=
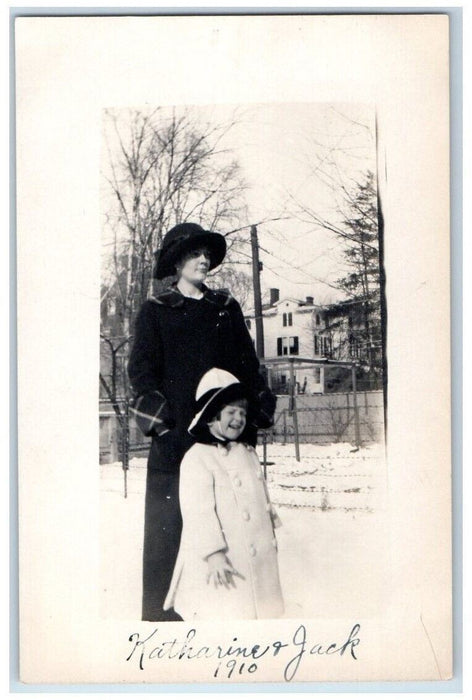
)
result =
(177, 339)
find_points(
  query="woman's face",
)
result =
(194, 265)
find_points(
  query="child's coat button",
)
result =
(252, 551)
(246, 515)
(237, 481)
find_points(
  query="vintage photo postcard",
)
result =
(233, 349)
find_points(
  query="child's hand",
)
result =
(220, 570)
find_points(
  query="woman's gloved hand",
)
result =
(152, 414)
(264, 409)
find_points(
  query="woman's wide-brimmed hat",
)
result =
(182, 239)
(216, 389)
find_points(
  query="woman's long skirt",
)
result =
(162, 529)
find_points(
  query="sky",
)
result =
(290, 155)
(286, 152)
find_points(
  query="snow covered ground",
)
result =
(332, 547)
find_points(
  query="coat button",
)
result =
(246, 515)
(252, 551)
(237, 481)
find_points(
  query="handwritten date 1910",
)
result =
(230, 666)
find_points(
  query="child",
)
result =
(227, 561)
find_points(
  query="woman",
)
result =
(180, 334)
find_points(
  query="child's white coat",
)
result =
(225, 506)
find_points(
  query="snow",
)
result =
(332, 543)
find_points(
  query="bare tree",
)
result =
(236, 280)
(161, 167)
(353, 222)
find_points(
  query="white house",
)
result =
(303, 329)
(293, 328)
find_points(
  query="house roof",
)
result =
(272, 309)
(299, 302)
(340, 306)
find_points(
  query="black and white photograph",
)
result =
(241, 254)
(234, 387)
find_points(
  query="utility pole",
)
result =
(256, 269)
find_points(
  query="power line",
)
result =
(299, 269)
(291, 265)
(258, 223)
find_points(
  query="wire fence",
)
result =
(317, 419)
(331, 418)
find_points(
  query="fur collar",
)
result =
(173, 297)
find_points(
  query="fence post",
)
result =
(348, 413)
(113, 439)
(356, 408)
(293, 408)
(264, 453)
(125, 445)
(268, 370)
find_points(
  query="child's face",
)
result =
(230, 422)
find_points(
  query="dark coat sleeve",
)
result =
(150, 406)
(263, 400)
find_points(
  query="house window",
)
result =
(248, 323)
(287, 346)
(287, 319)
(353, 346)
(322, 345)
(327, 347)
(318, 320)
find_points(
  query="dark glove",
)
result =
(265, 408)
(152, 414)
